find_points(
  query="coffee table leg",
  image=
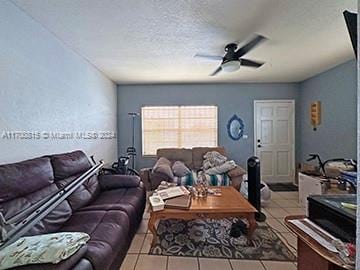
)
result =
(252, 226)
(151, 227)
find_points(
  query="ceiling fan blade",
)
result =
(210, 57)
(250, 63)
(216, 71)
(250, 45)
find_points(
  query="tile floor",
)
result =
(281, 205)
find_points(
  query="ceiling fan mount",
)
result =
(231, 47)
(232, 60)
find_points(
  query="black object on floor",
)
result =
(238, 228)
(279, 187)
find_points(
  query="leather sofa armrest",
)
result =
(113, 181)
(145, 177)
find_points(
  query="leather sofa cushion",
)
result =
(69, 164)
(199, 152)
(108, 230)
(115, 181)
(129, 200)
(174, 154)
(84, 194)
(51, 223)
(22, 178)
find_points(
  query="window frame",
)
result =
(179, 106)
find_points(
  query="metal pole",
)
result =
(22, 227)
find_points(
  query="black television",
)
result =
(351, 23)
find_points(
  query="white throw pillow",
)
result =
(46, 248)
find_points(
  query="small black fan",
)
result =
(232, 60)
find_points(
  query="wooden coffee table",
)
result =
(230, 204)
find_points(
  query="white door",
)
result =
(274, 139)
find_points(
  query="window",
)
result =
(178, 126)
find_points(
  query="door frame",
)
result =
(290, 101)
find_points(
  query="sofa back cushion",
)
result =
(23, 184)
(175, 154)
(84, 194)
(67, 168)
(22, 178)
(69, 164)
(199, 152)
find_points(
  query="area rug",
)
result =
(279, 187)
(210, 238)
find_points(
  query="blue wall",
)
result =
(230, 99)
(46, 87)
(336, 136)
(335, 88)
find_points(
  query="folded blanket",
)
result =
(213, 159)
(223, 168)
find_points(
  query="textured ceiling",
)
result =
(154, 41)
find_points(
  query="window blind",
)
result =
(178, 126)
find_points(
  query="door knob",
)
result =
(259, 145)
(258, 140)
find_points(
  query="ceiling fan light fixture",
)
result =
(230, 66)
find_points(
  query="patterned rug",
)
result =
(210, 238)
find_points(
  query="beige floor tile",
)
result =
(178, 263)
(291, 239)
(267, 214)
(273, 265)
(287, 203)
(295, 211)
(276, 195)
(293, 195)
(147, 244)
(129, 262)
(146, 215)
(246, 265)
(149, 262)
(143, 226)
(276, 225)
(214, 264)
(281, 221)
(277, 212)
(136, 243)
(271, 204)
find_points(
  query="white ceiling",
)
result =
(154, 41)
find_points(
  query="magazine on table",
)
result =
(181, 202)
(173, 192)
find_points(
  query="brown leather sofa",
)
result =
(108, 208)
(193, 159)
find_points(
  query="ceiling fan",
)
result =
(232, 60)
